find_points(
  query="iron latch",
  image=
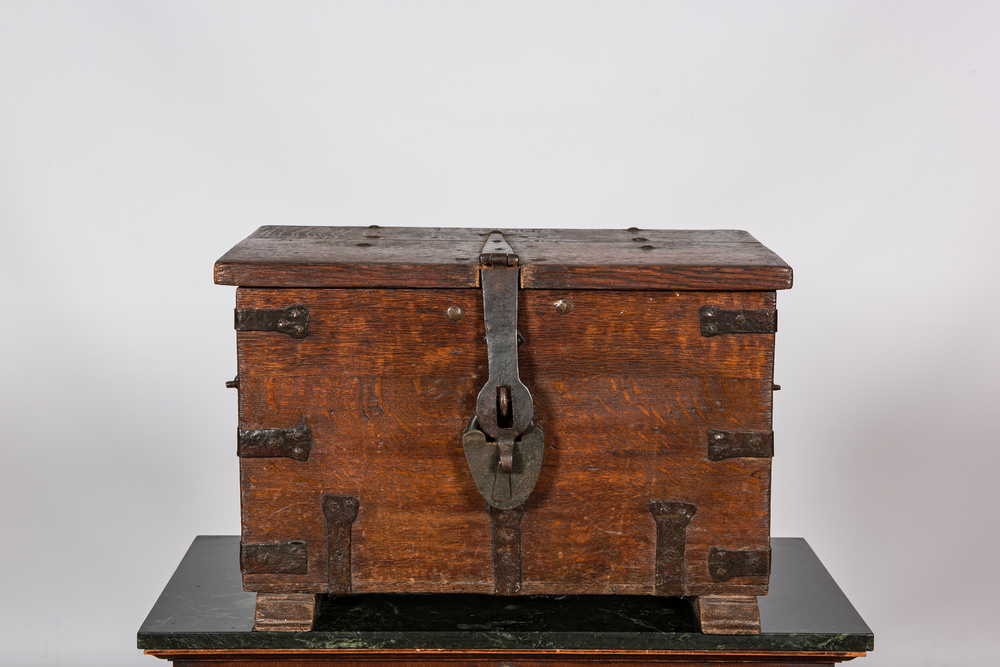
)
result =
(503, 446)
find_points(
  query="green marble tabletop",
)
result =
(204, 606)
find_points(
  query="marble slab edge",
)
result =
(508, 640)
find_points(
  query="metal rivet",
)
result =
(720, 437)
(363, 245)
(298, 451)
(646, 247)
(712, 328)
(722, 572)
(709, 313)
(563, 306)
(639, 238)
(454, 314)
(740, 318)
(633, 229)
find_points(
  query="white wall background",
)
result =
(140, 140)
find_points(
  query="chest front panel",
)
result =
(625, 385)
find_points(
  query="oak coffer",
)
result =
(510, 412)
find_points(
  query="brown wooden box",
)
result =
(648, 356)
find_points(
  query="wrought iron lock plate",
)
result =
(504, 489)
(503, 446)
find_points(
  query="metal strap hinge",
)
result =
(293, 320)
(340, 513)
(672, 518)
(724, 564)
(716, 321)
(277, 558)
(497, 252)
(736, 444)
(292, 443)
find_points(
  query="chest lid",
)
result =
(410, 257)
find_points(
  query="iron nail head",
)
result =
(563, 306)
(454, 314)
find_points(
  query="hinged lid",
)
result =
(549, 258)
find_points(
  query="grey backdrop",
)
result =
(140, 140)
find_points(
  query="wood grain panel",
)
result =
(399, 257)
(624, 386)
(406, 333)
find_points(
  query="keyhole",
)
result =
(505, 417)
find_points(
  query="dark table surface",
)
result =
(204, 606)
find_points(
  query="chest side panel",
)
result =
(625, 386)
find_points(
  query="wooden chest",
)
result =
(512, 412)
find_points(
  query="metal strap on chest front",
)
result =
(502, 444)
(504, 407)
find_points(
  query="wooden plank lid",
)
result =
(400, 257)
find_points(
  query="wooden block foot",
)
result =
(727, 614)
(285, 612)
